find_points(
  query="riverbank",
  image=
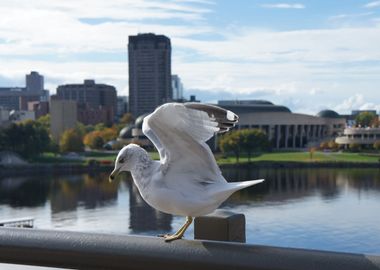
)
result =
(59, 169)
(52, 169)
(103, 162)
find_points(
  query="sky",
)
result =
(307, 55)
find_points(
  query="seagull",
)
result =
(186, 181)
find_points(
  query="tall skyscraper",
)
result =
(177, 87)
(34, 82)
(149, 72)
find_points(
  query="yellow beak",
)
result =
(113, 174)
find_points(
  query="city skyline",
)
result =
(307, 55)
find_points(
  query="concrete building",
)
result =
(286, 130)
(177, 88)
(122, 106)
(40, 108)
(63, 116)
(149, 59)
(34, 82)
(96, 102)
(4, 117)
(20, 116)
(17, 98)
(365, 137)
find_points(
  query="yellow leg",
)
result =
(179, 234)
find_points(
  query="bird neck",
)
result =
(143, 165)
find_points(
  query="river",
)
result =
(327, 209)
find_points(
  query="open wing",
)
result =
(180, 131)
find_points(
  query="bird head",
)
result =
(125, 160)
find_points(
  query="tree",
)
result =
(332, 145)
(376, 145)
(354, 147)
(71, 141)
(29, 139)
(245, 140)
(97, 138)
(44, 121)
(253, 140)
(231, 142)
(126, 119)
(365, 119)
(311, 152)
(324, 145)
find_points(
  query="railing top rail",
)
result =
(106, 251)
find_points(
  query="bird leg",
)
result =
(179, 234)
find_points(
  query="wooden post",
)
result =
(220, 225)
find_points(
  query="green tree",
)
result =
(29, 139)
(365, 119)
(231, 142)
(253, 140)
(44, 121)
(244, 140)
(354, 147)
(71, 141)
(126, 119)
(376, 145)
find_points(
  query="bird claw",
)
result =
(170, 237)
(163, 235)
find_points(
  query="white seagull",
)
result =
(186, 181)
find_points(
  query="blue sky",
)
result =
(308, 55)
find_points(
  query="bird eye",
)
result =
(121, 160)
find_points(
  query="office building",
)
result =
(96, 102)
(17, 98)
(63, 116)
(177, 88)
(4, 117)
(149, 72)
(34, 82)
(122, 106)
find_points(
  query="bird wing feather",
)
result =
(180, 131)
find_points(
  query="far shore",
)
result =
(75, 168)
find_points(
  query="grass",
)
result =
(305, 157)
(275, 156)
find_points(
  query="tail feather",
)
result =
(244, 184)
(227, 189)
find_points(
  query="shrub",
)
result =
(376, 145)
(354, 147)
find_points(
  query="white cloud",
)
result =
(373, 4)
(357, 102)
(319, 45)
(350, 16)
(287, 65)
(284, 6)
(57, 26)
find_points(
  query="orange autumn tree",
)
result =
(97, 138)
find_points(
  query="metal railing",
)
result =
(25, 222)
(102, 251)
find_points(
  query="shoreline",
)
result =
(301, 165)
(59, 169)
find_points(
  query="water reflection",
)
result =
(144, 218)
(282, 185)
(23, 191)
(90, 202)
